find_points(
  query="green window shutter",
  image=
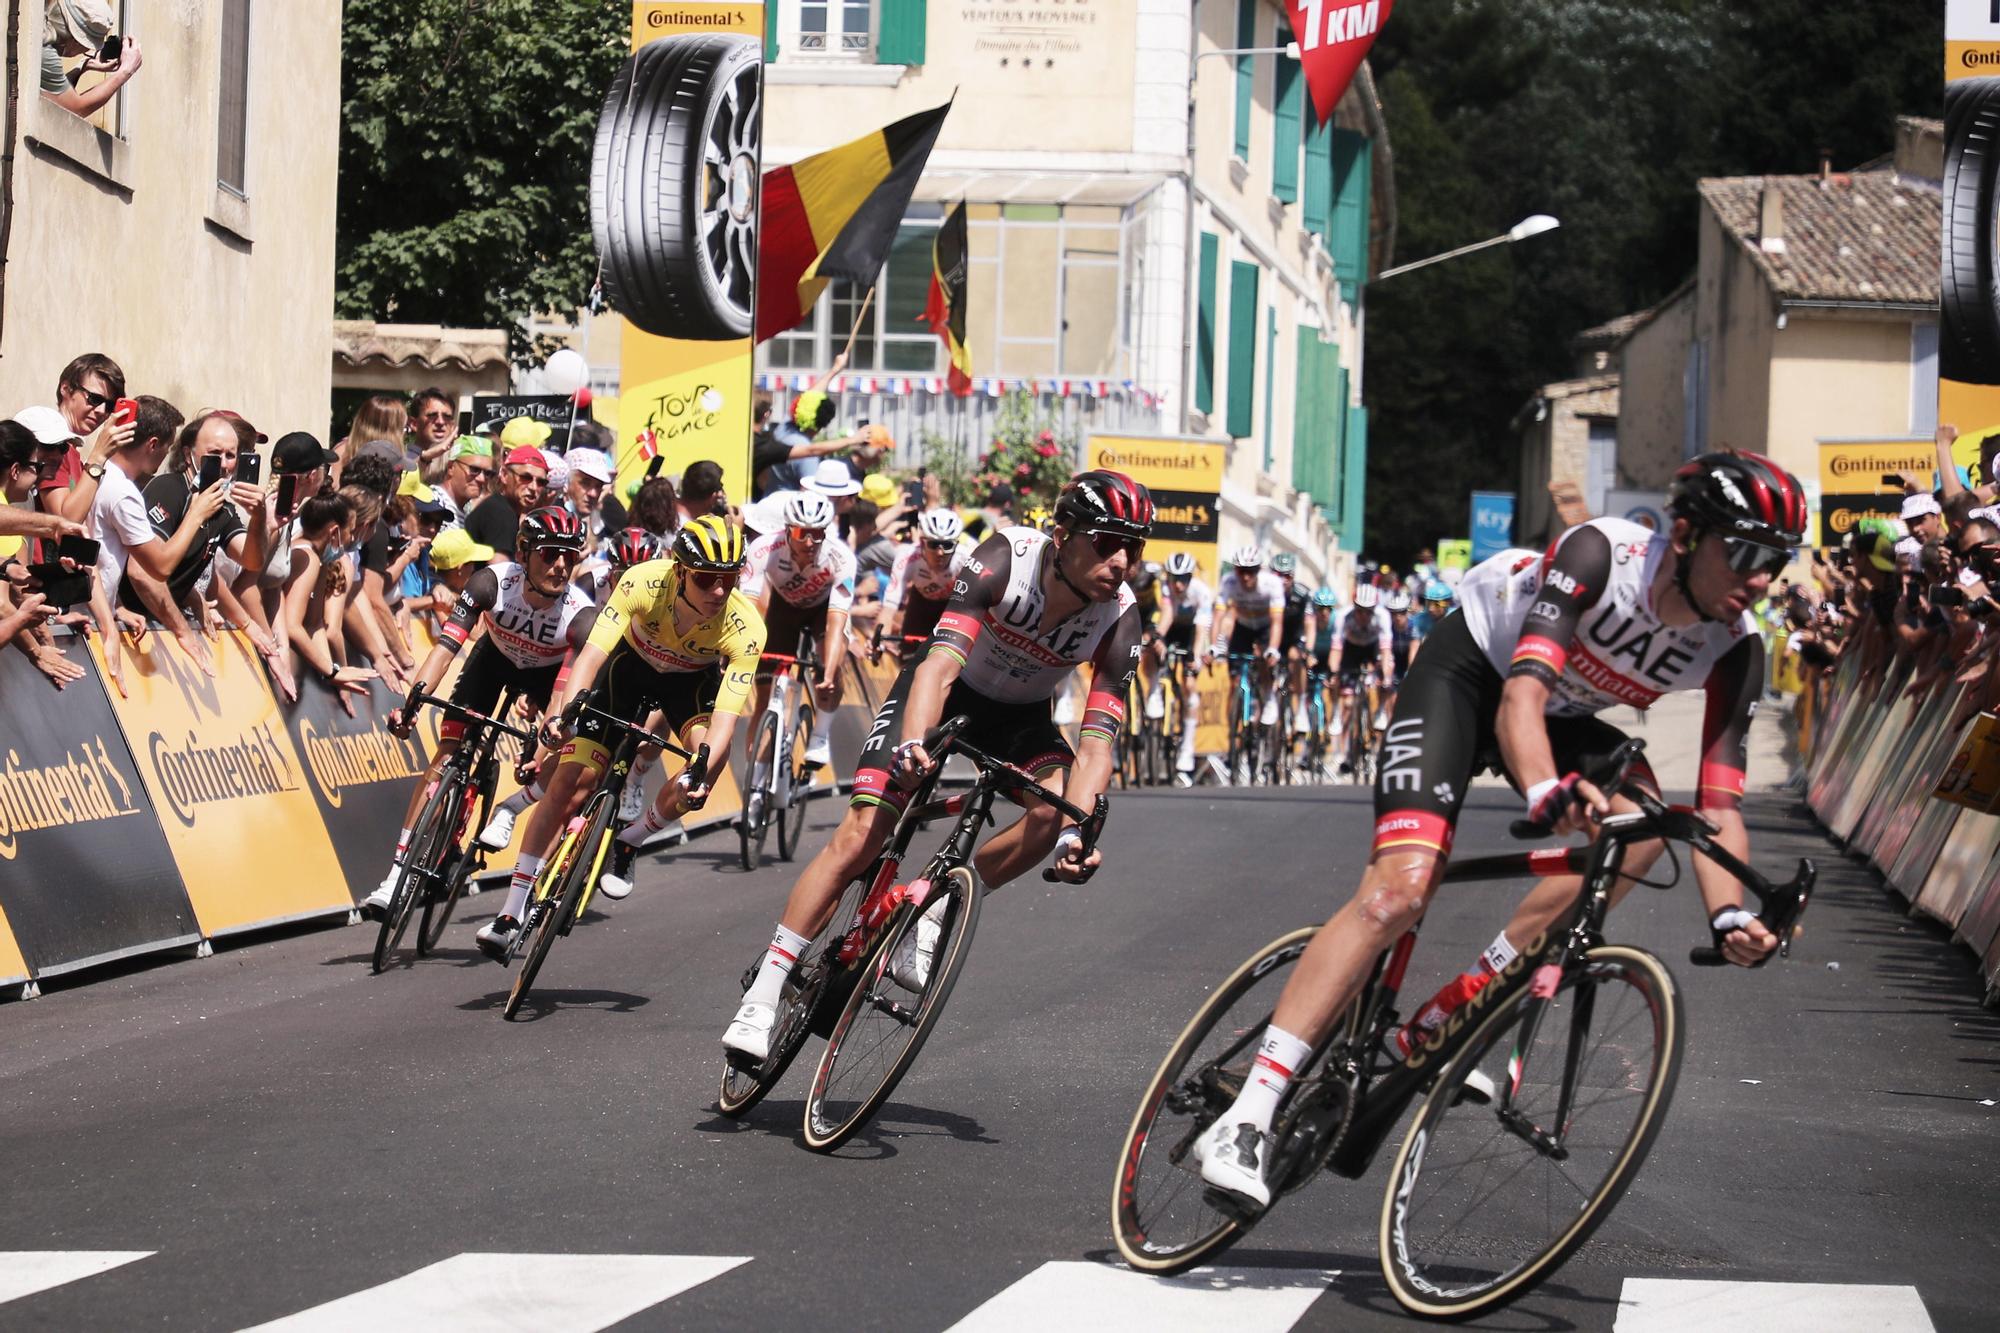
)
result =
(770, 34)
(901, 41)
(1204, 340)
(1242, 348)
(1352, 164)
(1288, 98)
(1355, 478)
(1336, 436)
(1318, 202)
(1308, 419)
(1246, 73)
(1270, 384)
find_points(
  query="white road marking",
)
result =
(25, 1272)
(497, 1293)
(1112, 1300)
(1662, 1305)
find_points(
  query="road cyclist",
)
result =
(800, 580)
(1189, 616)
(921, 581)
(1249, 629)
(1361, 663)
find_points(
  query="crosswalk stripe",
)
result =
(25, 1272)
(497, 1293)
(1664, 1305)
(1111, 1300)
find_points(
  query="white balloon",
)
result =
(565, 371)
(711, 400)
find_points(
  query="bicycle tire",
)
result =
(752, 832)
(579, 857)
(437, 911)
(426, 841)
(824, 1132)
(1495, 1241)
(792, 809)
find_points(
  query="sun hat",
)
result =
(831, 477)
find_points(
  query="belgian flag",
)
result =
(835, 214)
(944, 308)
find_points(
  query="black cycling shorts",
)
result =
(486, 675)
(1023, 734)
(629, 689)
(1441, 736)
(786, 625)
(1180, 635)
(1250, 640)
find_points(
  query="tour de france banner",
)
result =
(84, 874)
(1969, 291)
(1185, 477)
(1856, 480)
(676, 234)
(228, 784)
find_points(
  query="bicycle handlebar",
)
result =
(417, 698)
(697, 758)
(945, 736)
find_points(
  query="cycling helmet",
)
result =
(1437, 590)
(1397, 600)
(808, 509)
(1743, 495)
(1101, 500)
(1144, 577)
(1249, 557)
(1365, 596)
(940, 525)
(1284, 562)
(551, 525)
(1180, 565)
(635, 546)
(709, 542)
(1323, 598)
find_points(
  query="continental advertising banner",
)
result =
(229, 786)
(1969, 290)
(85, 875)
(674, 209)
(1856, 480)
(1185, 477)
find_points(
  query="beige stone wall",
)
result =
(129, 248)
(1737, 316)
(1652, 411)
(1836, 379)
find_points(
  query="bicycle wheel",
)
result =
(428, 842)
(754, 825)
(791, 799)
(1485, 1202)
(884, 1022)
(567, 876)
(438, 907)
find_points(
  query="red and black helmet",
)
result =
(1104, 501)
(551, 525)
(1743, 495)
(635, 546)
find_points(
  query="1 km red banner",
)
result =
(1334, 38)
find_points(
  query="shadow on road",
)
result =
(897, 1120)
(541, 1003)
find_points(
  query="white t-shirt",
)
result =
(118, 522)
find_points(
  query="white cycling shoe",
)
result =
(376, 905)
(632, 801)
(819, 752)
(1232, 1160)
(911, 967)
(749, 1033)
(1156, 705)
(499, 830)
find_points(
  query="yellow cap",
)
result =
(880, 491)
(525, 432)
(455, 547)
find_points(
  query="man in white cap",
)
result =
(831, 478)
(589, 473)
(1924, 517)
(80, 28)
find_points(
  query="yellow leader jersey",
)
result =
(641, 612)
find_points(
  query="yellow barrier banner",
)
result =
(232, 791)
(1972, 779)
(1185, 477)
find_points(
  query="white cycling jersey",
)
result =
(993, 624)
(1254, 602)
(1194, 607)
(913, 575)
(828, 581)
(1363, 628)
(527, 635)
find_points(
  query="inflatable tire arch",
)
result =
(1969, 341)
(673, 186)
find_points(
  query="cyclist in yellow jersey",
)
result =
(675, 635)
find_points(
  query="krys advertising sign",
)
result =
(1185, 478)
(228, 785)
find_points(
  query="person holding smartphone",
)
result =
(83, 28)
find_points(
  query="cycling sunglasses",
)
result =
(1108, 544)
(941, 547)
(1748, 557)
(558, 553)
(708, 580)
(807, 534)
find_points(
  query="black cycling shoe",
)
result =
(497, 936)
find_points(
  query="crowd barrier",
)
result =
(1912, 786)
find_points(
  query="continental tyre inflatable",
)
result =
(673, 186)
(1969, 342)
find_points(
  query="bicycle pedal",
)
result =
(741, 1063)
(1241, 1211)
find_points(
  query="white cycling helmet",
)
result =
(808, 509)
(1366, 595)
(940, 525)
(1397, 600)
(1180, 565)
(1248, 557)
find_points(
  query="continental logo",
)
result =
(1875, 461)
(84, 788)
(192, 774)
(1841, 518)
(681, 19)
(1474, 1007)
(339, 762)
(1979, 58)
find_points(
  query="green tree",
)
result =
(465, 142)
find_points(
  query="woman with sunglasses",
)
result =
(1614, 613)
(1030, 608)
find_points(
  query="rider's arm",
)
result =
(1274, 640)
(1571, 585)
(981, 585)
(1385, 639)
(1337, 643)
(482, 592)
(1733, 687)
(742, 646)
(839, 606)
(1111, 671)
(1225, 623)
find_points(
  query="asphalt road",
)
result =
(216, 1144)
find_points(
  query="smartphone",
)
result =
(80, 549)
(126, 409)
(113, 49)
(210, 473)
(653, 468)
(250, 468)
(1891, 479)
(288, 495)
(61, 587)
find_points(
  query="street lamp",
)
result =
(1532, 225)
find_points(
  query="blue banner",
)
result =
(1492, 523)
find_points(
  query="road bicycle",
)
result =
(779, 776)
(849, 986)
(1358, 693)
(1540, 1096)
(439, 857)
(567, 880)
(1246, 732)
(1314, 767)
(1174, 668)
